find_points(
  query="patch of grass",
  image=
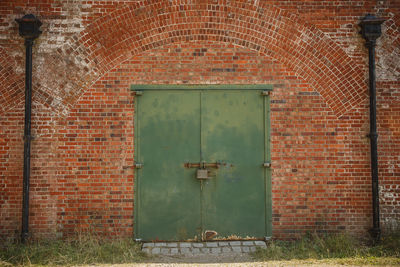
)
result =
(371, 260)
(84, 250)
(342, 249)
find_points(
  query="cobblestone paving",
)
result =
(198, 248)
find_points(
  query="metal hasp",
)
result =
(204, 165)
(202, 171)
(371, 31)
(29, 29)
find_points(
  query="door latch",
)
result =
(204, 165)
(203, 171)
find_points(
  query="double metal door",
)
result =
(200, 157)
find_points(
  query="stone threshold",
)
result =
(198, 248)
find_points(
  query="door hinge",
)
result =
(267, 164)
(138, 165)
(138, 93)
(265, 93)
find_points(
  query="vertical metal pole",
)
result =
(29, 29)
(373, 135)
(27, 140)
(371, 31)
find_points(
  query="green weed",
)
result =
(84, 250)
(343, 249)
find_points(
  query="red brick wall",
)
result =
(91, 51)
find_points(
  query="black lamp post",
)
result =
(29, 29)
(371, 31)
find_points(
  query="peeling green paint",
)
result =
(176, 126)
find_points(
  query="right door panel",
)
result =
(233, 132)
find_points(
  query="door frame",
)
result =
(264, 89)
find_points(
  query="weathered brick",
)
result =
(82, 177)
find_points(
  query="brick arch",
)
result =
(267, 29)
(12, 81)
(388, 51)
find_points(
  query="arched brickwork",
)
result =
(138, 27)
(388, 52)
(12, 89)
(82, 163)
(95, 145)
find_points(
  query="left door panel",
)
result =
(168, 196)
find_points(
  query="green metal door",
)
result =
(222, 131)
(167, 135)
(233, 132)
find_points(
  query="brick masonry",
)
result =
(90, 52)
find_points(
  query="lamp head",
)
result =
(29, 27)
(371, 27)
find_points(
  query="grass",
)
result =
(311, 249)
(334, 248)
(84, 250)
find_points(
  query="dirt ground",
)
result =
(234, 260)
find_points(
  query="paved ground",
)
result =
(198, 248)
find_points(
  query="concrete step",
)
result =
(198, 248)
